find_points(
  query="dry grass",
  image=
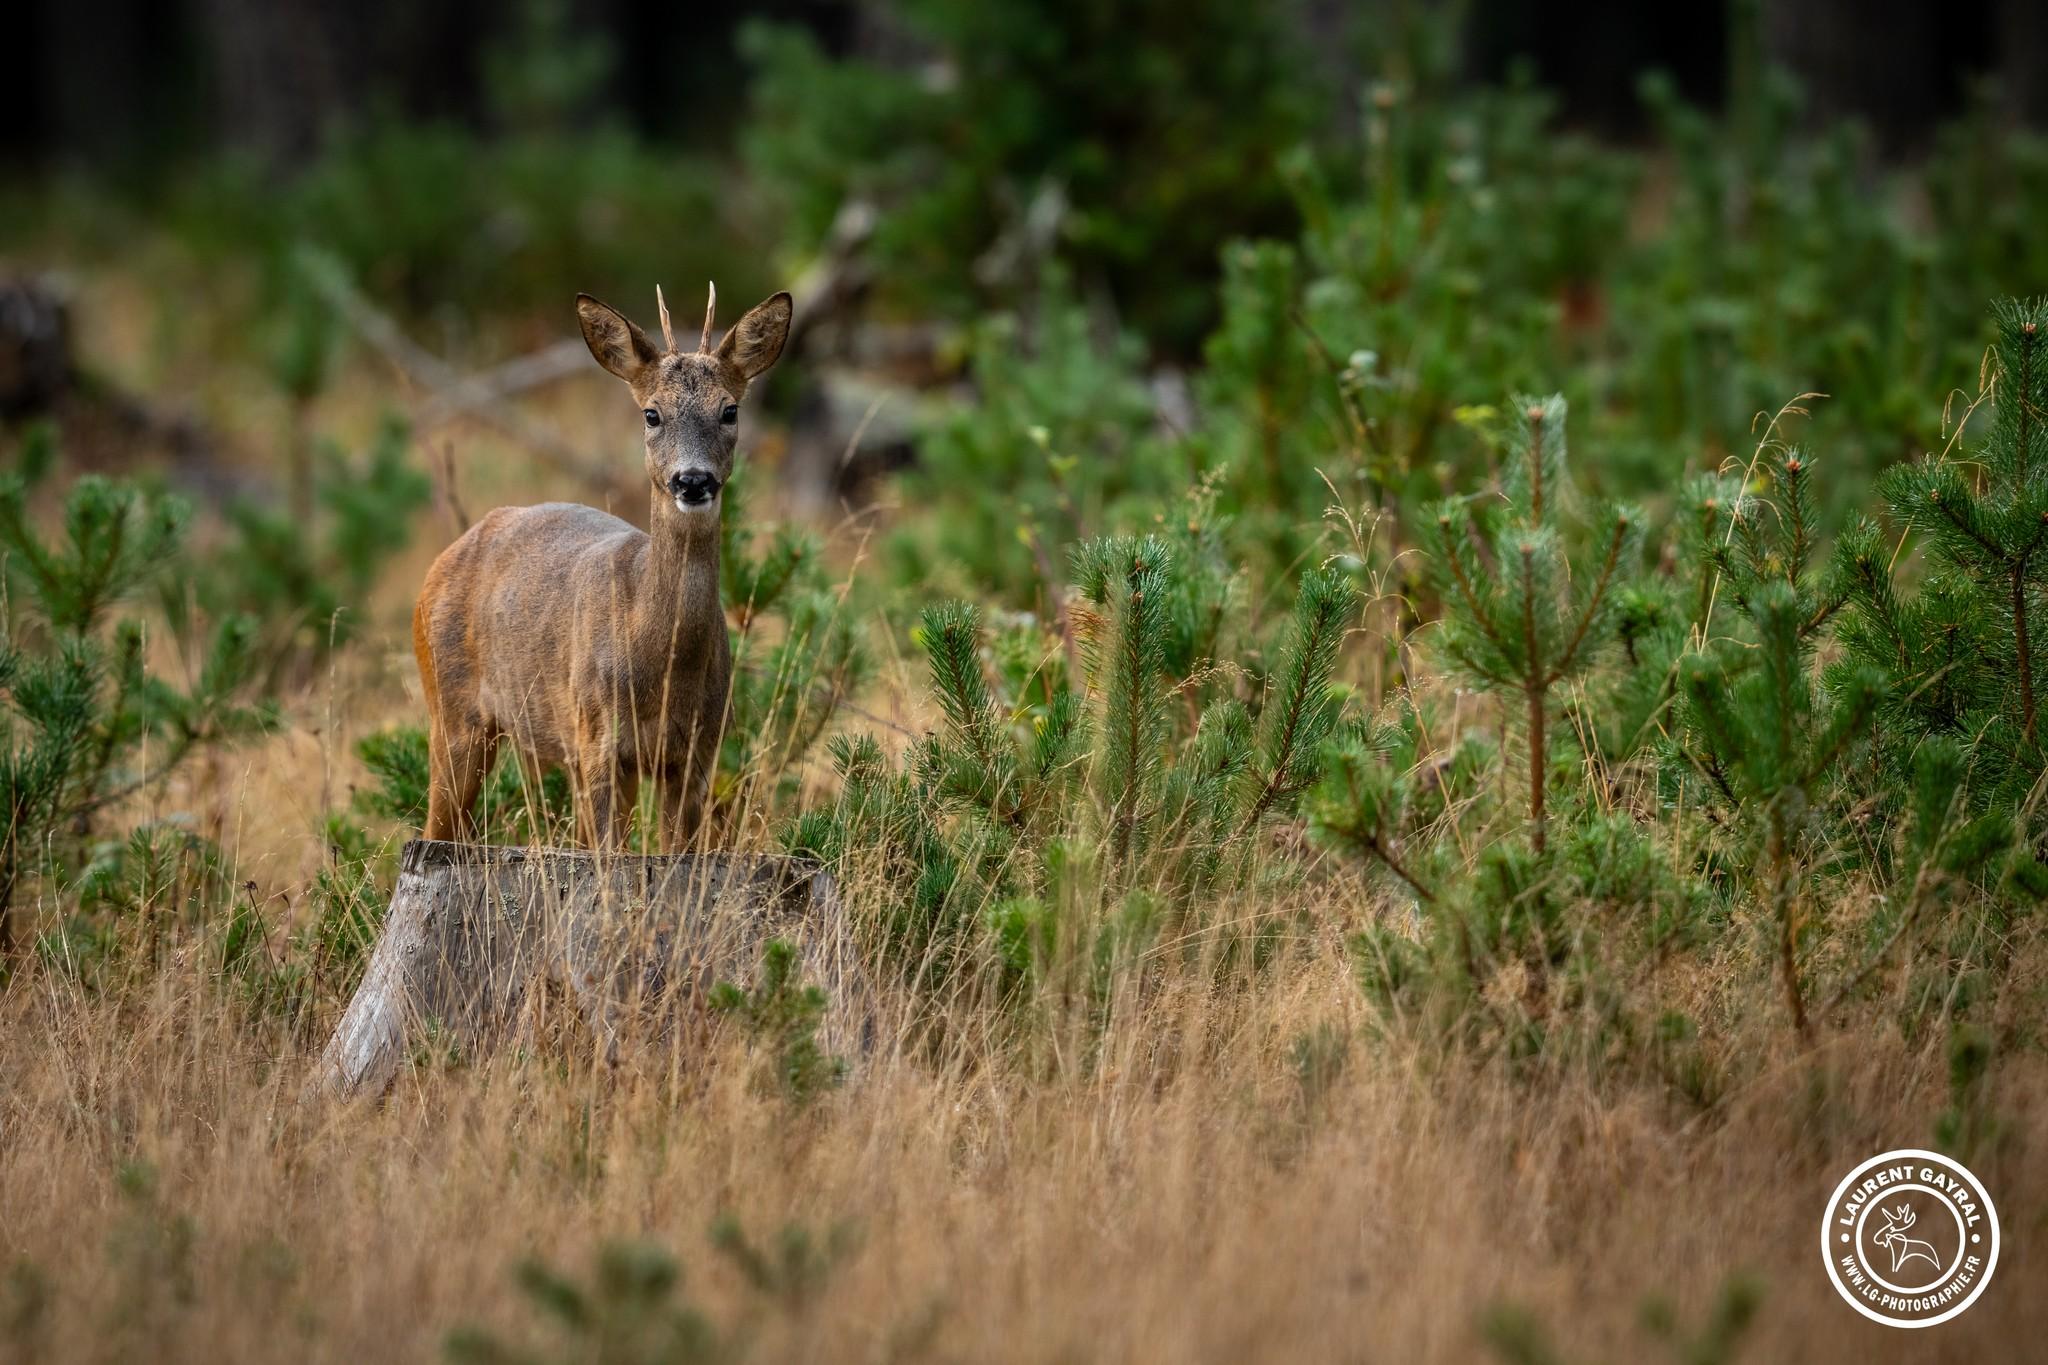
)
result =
(1187, 1198)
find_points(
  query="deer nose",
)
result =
(693, 486)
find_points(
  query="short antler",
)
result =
(710, 311)
(1906, 1215)
(668, 337)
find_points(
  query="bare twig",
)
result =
(444, 487)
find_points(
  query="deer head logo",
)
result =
(1892, 1237)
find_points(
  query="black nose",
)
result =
(693, 486)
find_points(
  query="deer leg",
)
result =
(682, 807)
(457, 760)
(604, 798)
(532, 794)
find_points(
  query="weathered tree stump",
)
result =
(636, 944)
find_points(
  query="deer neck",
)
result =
(676, 611)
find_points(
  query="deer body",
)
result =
(585, 642)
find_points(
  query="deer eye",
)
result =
(731, 414)
(653, 417)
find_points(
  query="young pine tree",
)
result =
(83, 722)
(1527, 616)
(1751, 725)
(1961, 652)
(1767, 740)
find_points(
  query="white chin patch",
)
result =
(708, 505)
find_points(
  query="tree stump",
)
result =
(635, 943)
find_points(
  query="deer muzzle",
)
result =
(692, 487)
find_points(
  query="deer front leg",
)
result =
(682, 806)
(605, 792)
(458, 758)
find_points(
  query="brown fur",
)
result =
(589, 644)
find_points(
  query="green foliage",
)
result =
(350, 896)
(1438, 263)
(1062, 424)
(630, 1312)
(1716, 680)
(1766, 742)
(1058, 823)
(1968, 1125)
(436, 215)
(1382, 790)
(632, 1309)
(1001, 158)
(795, 1269)
(509, 810)
(781, 1017)
(1959, 654)
(1527, 617)
(798, 654)
(114, 539)
(308, 333)
(308, 584)
(85, 721)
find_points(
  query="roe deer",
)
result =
(587, 643)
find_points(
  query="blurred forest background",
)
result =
(918, 168)
(922, 165)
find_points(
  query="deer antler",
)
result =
(668, 337)
(710, 311)
(1905, 1216)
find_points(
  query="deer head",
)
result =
(689, 400)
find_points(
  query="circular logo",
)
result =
(1910, 1238)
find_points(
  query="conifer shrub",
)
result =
(1060, 832)
(1527, 616)
(968, 169)
(631, 1309)
(306, 581)
(1961, 652)
(1728, 775)
(1386, 794)
(781, 1017)
(87, 721)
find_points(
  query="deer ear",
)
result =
(617, 344)
(756, 340)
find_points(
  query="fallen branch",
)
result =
(477, 397)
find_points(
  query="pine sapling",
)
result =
(1766, 740)
(1125, 582)
(1361, 803)
(1961, 651)
(1301, 710)
(1527, 617)
(83, 722)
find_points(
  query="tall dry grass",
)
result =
(1206, 1187)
